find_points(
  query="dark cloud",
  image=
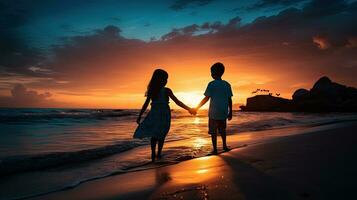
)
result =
(272, 3)
(21, 92)
(16, 56)
(334, 21)
(182, 4)
(23, 97)
(12, 14)
(318, 8)
(205, 28)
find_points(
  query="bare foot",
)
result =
(214, 152)
(226, 149)
(153, 157)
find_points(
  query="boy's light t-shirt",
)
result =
(219, 92)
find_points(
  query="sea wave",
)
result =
(266, 124)
(284, 122)
(23, 163)
(45, 115)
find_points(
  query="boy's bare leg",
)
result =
(160, 146)
(214, 143)
(153, 147)
(224, 142)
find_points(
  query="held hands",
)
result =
(192, 111)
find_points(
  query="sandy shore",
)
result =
(320, 164)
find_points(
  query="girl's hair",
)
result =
(158, 81)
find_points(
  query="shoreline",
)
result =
(105, 183)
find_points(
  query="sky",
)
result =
(101, 53)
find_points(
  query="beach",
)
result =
(49, 150)
(316, 163)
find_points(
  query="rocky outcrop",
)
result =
(300, 93)
(324, 96)
(267, 103)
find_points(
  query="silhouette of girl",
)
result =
(156, 124)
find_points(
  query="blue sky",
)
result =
(50, 21)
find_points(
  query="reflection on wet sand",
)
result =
(197, 171)
(191, 180)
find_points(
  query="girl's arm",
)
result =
(178, 102)
(143, 109)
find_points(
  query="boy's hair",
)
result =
(217, 69)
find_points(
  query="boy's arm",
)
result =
(203, 101)
(145, 106)
(207, 96)
(230, 108)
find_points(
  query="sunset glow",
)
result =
(200, 142)
(192, 99)
(106, 59)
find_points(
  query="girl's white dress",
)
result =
(157, 122)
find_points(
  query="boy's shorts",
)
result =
(217, 126)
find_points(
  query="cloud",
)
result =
(16, 56)
(311, 8)
(321, 42)
(324, 7)
(21, 92)
(352, 42)
(182, 4)
(23, 97)
(205, 28)
(271, 3)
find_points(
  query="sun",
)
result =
(191, 99)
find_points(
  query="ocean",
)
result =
(46, 150)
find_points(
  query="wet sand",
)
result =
(320, 164)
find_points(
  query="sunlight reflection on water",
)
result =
(196, 120)
(199, 142)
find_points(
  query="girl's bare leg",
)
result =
(153, 147)
(160, 146)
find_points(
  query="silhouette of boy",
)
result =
(219, 92)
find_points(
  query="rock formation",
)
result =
(324, 96)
